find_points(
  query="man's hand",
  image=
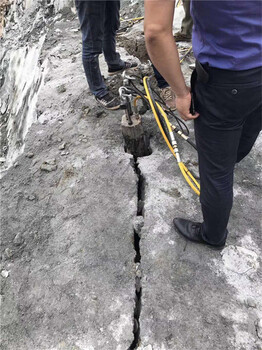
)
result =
(183, 104)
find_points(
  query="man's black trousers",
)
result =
(230, 108)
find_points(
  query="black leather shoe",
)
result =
(191, 231)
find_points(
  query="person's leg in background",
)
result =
(166, 92)
(99, 21)
(92, 16)
(187, 24)
(112, 23)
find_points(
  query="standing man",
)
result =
(227, 94)
(187, 24)
(99, 21)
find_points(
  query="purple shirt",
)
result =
(228, 34)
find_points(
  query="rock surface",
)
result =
(192, 296)
(67, 232)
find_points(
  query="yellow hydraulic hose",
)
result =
(187, 172)
(135, 100)
(132, 19)
(173, 148)
(185, 55)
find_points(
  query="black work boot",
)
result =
(182, 37)
(109, 101)
(191, 231)
(127, 65)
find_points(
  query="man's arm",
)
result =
(163, 51)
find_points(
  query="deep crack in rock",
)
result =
(137, 259)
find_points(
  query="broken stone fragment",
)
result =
(31, 197)
(64, 153)
(4, 273)
(30, 155)
(85, 111)
(4, 107)
(62, 146)
(51, 161)
(138, 284)
(250, 302)
(148, 347)
(138, 224)
(61, 89)
(259, 328)
(49, 165)
(138, 270)
(8, 253)
(18, 240)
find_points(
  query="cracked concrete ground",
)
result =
(67, 234)
(69, 265)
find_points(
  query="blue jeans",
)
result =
(99, 21)
(161, 82)
(230, 110)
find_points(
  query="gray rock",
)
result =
(51, 161)
(61, 89)
(48, 168)
(8, 253)
(250, 302)
(4, 273)
(49, 165)
(30, 155)
(85, 111)
(259, 328)
(64, 153)
(148, 347)
(4, 107)
(188, 284)
(62, 146)
(18, 240)
(138, 270)
(138, 224)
